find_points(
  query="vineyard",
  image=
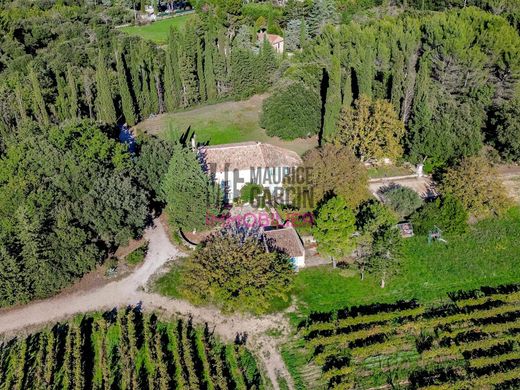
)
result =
(126, 350)
(470, 341)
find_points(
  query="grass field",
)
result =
(223, 123)
(158, 31)
(489, 254)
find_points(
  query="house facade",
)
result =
(234, 165)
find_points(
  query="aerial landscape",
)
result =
(260, 194)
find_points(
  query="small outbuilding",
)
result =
(287, 240)
(276, 41)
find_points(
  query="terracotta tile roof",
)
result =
(273, 38)
(287, 240)
(246, 155)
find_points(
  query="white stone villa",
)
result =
(235, 165)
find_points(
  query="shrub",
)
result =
(250, 191)
(237, 273)
(403, 200)
(291, 112)
(137, 256)
(447, 213)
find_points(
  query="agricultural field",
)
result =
(157, 31)
(125, 350)
(471, 341)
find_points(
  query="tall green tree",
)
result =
(506, 131)
(127, 101)
(106, 112)
(200, 71)
(333, 98)
(172, 81)
(190, 194)
(38, 103)
(72, 93)
(209, 72)
(334, 229)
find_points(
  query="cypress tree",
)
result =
(105, 109)
(172, 81)
(153, 91)
(347, 89)
(266, 65)
(188, 66)
(73, 93)
(62, 109)
(209, 73)
(39, 109)
(397, 82)
(19, 100)
(221, 64)
(333, 98)
(200, 72)
(127, 103)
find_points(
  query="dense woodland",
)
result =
(451, 78)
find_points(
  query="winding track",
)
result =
(132, 290)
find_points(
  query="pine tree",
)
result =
(105, 109)
(292, 36)
(127, 103)
(322, 12)
(39, 108)
(209, 73)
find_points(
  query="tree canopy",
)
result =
(334, 229)
(68, 194)
(485, 196)
(371, 129)
(190, 194)
(329, 171)
(237, 273)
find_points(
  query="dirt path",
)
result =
(131, 290)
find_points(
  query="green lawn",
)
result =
(223, 123)
(487, 255)
(158, 31)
